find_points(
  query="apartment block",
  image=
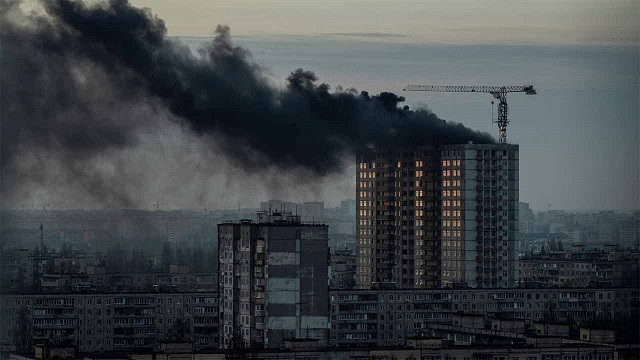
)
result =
(388, 317)
(397, 229)
(438, 216)
(343, 270)
(273, 280)
(479, 215)
(112, 321)
(572, 270)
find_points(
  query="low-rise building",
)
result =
(111, 321)
(387, 317)
(578, 269)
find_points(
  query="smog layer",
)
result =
(99, 105)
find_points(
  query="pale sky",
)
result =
(586, 112)
(456, 21)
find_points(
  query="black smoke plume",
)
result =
(83, 79)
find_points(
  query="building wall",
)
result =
(397, 210)
(273, 281)
(480, 215)
(343, 270)
(113, 321)
(431, 217)
(549, 272)
(388, 317)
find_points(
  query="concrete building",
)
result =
(111, 321)
(343, 270)
(574, 269)
(629, 232)
(438, 216)
(272, 280)
(480, 215)
(388, 317)
(526, 218)
(398, 239)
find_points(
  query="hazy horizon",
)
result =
(578, 137)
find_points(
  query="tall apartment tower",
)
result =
(435, 216)
(479, 215)
(397, 210)
(272, 281)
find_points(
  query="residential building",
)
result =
(272, 280)
(580, 269)
(438, 216)
(479, 215)
(397, 229)
(388, 317)
(343, 270)
(111, 321)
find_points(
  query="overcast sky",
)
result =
(579, 137)
(460, 21)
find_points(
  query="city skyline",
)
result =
(583, 117)
(296, 184)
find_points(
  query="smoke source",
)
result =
(85, 80)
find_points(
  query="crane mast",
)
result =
(498, 92)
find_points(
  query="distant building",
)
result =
(580, 268)
(348, 206)
(272, 280)
(309, 211)
(391, 317)
(629, 232)
(525, 218)
(343, 270)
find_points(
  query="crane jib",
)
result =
(499, 92)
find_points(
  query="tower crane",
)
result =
(498, 92)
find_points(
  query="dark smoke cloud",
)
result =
(82, 81)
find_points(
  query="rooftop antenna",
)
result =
(41, 238)
(158, 204)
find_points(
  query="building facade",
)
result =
(572, 270)
(388, 317)
(397, 218)
(479, 216)
(442, 216)
(111, 321)
(343, 270)
(272, 280)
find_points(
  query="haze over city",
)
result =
(212, 180)
(580, 132)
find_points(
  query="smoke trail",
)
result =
(84, 80)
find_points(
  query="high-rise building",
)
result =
(272, 280)
(436, 216)
(479, 217)
(397, 211)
